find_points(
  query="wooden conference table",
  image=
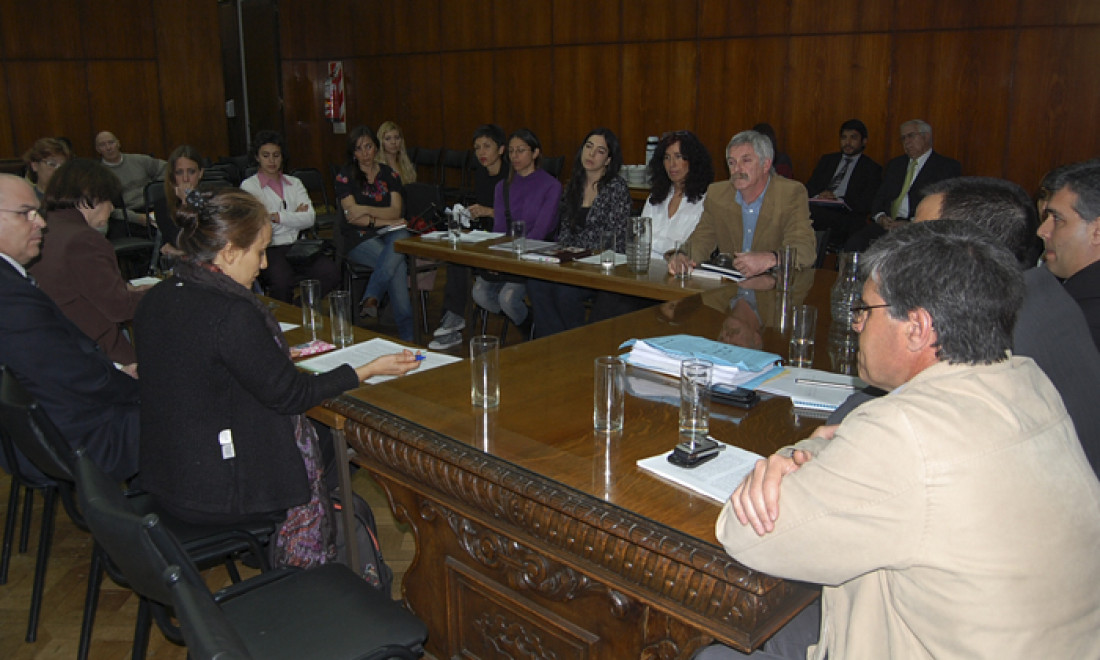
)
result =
(537, 537)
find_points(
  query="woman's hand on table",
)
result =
(395, 364)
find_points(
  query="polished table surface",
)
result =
(528, 521)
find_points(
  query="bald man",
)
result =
(93, 403)
(135, 171)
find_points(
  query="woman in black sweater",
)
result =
(224, 437)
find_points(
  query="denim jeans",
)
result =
(500, 297)
(390, 275)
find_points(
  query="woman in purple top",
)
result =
(532, 196)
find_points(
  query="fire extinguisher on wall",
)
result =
(334, 97)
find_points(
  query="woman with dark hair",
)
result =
(679, 174)
(224, 436)
(290, 211)
(371, 195)
(596, 201)
(489, 149)
(42, 161)
(531, 195)
(78, 268)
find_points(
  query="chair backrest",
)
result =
(222, 170)
(427, 161)
(423, 200)
(455, 161)
(314, 184)
(206, 630)
(121, 532)
(553, 165)
(30, 430)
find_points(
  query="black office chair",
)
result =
(553, 165)
(314, 183)
(325, 612)
(34, 436)
(134, 253)
(455, 175)
(350, 271)
(206, 631)
(427, 161)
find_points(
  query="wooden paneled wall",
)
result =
(1010, 86)
(149, 71)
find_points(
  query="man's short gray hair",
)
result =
(922, 126)
(1084, 180)
(760, 144)
(961, 275)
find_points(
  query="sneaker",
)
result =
(449, 324)
(445, 342)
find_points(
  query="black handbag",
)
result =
(305, 251)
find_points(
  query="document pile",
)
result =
(733, 365)
(812, 389)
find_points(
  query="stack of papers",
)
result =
(475, 236)
(733, 365)
(811, 388)
(715, 479)
(363, 353)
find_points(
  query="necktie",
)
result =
(904, 188)
(841, 173)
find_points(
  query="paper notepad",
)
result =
(811, 388)
(733, 365)
(363, 353)
(716, 479)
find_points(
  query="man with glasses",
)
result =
(93, 403)
(903, 181)
(954, 517)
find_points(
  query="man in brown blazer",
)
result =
(751, 216)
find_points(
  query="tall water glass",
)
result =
(784, 269)
(639, 244)
(518, 232)
(312, 319)
(339, 314)
(803, 329)
(695, 376)
(609, 394)
(485, 371)
(607, 250)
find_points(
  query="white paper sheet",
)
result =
(716, 479)
(364, 352)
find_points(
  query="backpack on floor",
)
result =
(372, 567)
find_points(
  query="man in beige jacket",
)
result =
(955, 517)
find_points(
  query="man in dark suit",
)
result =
(94, 404)
(1071, 234)
(844, 184)
(903, 182)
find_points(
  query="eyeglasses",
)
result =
(861, 311)
(27, 213)
(518, 150)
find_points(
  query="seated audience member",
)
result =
(929, 509)
(42, 161)
(183, 174)
(679, 174)
(93, 404)
(1071, 234)
(393, 153)
(243, 450)
(291, 211)
(1050, 328)
(596, 202)
(528, 194)
(781, 162)
(489, 149)
(848, 176)
(134, 171)
(372, 197)
(752, 215)
(903, 181)
(78, 268)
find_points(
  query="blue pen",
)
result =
(420, 358)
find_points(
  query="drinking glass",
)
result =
(310, 294)
(803, 327)
(339, 313)
(485, 371)
(695, 378)
(609, 394)
(784, 269)
(518, 232)
(607, 250)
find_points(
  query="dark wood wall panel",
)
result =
(952, 14)
(658, 93)
(833, 78)
(123, 98)
(520, 24)
(1055, 102)
(8, 149)
(24, 36)
(523, 90)
(467, 88)
(124, 29)
(586, 95)
(465, 24)
(658, 20)
(722, 18)
(189, 78)
(818, 16)
(1065, 12)
(587, 22)
(49, 99)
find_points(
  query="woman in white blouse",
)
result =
(679, 174)
(290, 211)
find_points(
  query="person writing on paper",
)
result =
(224, 437)
(372, 197)
(929, 509)
(752, 215)
(596, 202)
(679, 174)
